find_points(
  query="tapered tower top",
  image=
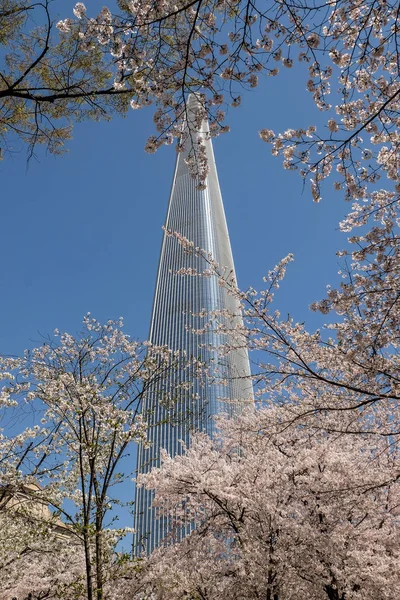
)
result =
(196, 212)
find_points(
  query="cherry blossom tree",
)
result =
(281, 513)
(86, 392)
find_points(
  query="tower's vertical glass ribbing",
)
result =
(199, 216)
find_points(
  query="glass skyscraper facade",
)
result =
(199, 216)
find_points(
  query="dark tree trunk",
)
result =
(333, 594)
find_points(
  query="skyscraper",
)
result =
(197, 214)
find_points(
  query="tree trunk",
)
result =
(88, 565)
(333, 594)
(99, 555)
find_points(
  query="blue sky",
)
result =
(82, 232)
